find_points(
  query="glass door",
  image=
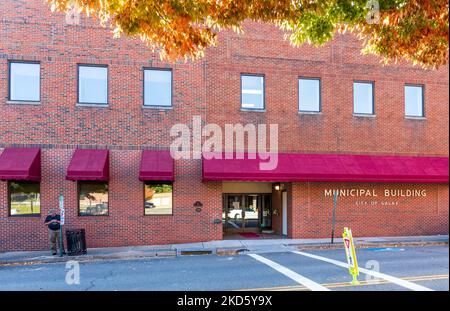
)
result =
(246, 212)
(266, 214)
(232, 213)
(252, 206)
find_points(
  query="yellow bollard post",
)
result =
(351, 255)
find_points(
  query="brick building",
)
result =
(75, 120)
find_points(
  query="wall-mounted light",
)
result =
(277, 187)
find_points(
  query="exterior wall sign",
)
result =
(352, 192)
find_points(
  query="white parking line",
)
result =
(392, 279)
(290, 274)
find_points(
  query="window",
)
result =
(158, 87)
(363, 98)
(252, 92)
(25, 81)
(414, 101)
(309, 94)
(158, 198)
(92, 84)
(92, 198)
(24, 198)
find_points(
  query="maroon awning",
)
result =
(328, 167)
(20, 164)
(89, 164)
(156, 165)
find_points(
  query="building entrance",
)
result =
(246, 213)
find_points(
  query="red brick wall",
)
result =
(126, 223)
(262, 50)
(210, 88)
(423, 215)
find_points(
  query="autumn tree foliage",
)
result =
(415, 30)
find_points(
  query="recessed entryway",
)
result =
(247, 209)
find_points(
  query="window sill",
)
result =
(310, 112)
(153, 215)
(19, 102)
(105, 215)
(415, 118)
(157, 107)
(363, 115)
(252, 110)
(92, 105)
(26, 216)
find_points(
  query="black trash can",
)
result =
(76, 242)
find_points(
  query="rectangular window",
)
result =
(252, 91)
(24, 198)
(25, 81)
(414, 101)
(309, 94)
(158, 198)
(92, 198)
(158, 87)
(363, 98)
(92, 84)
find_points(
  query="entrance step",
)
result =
(267, 231)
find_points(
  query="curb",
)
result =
(92, 258)
(369, 245)
(217, 251)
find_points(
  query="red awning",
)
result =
(20, 164)
(156, 165)
(294, 167)
(89, 164)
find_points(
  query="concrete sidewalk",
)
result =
(221, 247)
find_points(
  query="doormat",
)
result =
(249, 235)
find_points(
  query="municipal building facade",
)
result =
(89, 117)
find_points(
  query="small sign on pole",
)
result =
(61, 208)
(62, 219)
(351, 255)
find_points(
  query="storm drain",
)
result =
(195, 252)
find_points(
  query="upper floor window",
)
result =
(252, 91)
(414, 101)
(92, 84)
(158, 87)
(309, 95)
(25, 81)
(363, 98)
(24, 198)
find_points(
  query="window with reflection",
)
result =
(252, 91)
(92, 198)
(92, 84)
(158, 87)
(414, 101)
(24, 198)
(158, 198)
(363, 98)
(309, 95)
(25, 81)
